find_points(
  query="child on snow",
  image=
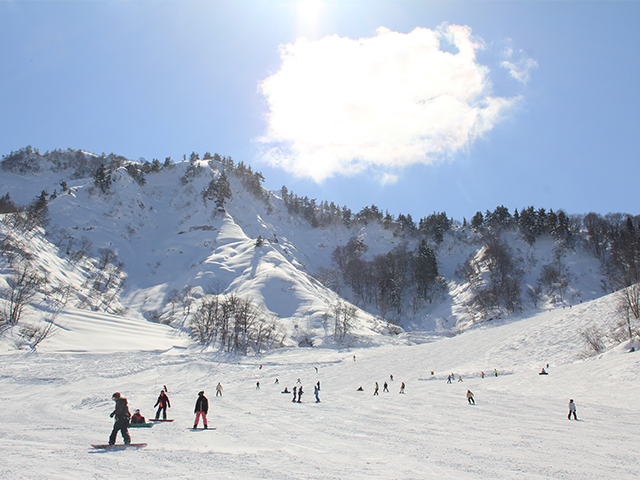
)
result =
(572, 410)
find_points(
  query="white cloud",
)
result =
(518, 69)
(340, 106)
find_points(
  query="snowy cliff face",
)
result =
(176, 249)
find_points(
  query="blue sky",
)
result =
(354, 114)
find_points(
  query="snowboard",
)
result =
(118, 446)
(199, 429)
(161, 420)
(140, 425)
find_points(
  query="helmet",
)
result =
(115, 396)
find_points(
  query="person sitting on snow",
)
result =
(137, 417)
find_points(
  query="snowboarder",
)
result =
(201, 409)
(385, 387)
(449, 379)
(277, 381)
(375, 392)
(495, 371)
(300, 392)
(162, 403)
(257, 385)
(360, 389)
(459, 378)
(219, 389)
(391, 377)
(572, 410)
(470, 397)
(286, 390)
(543, 372)
(122, 416)
(316, 391)
(482, 375)
(137, 417)
(295, 393)
(402, 388)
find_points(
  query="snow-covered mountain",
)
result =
(157, 248)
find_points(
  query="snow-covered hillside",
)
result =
(56, 403)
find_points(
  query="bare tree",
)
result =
(23, 286)
(629, 306)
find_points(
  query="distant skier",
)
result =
(201, 409)
(402, 388)
(375, 392)
(495, 371)
(137, 417)
(277, 381)
(391, 377)
(295, 393)
(572, 410)
(385, 387)
(257, 385)
(470, 397)
(219, 389)
(162, 403)
(316, 391)
(300, 392)
(459, 378)
(482, 375)
(449, 379)
(122, 416)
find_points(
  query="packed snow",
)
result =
(55, 403)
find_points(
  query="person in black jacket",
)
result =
(122, 416)
(202, 407)
(162, 404)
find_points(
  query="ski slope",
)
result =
(55, 403)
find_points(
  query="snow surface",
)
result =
(56, 402)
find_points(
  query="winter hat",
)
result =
(137, 410)
(201, 392)
(116, 395)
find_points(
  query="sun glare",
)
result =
(308, 11)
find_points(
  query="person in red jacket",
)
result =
(137, 417)
(202, 407)
(122, 416)
(162, 404)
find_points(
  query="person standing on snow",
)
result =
(300, 392)
(219, 389)
(162, 403)
(201, 409)
(385, 387)
(122, 416)
(572, 410)
(470, 397)
(402, 388)
(295, 393)
(316, 391)
(375, 392)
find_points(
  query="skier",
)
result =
(470, 397)
(300, 392)
(385, 387)
(449, 379)
(316, 391)
(219, 389)
(402, 388)
(295, 393)
(202, 407)
(375, 392)
(122, 416)
(137, 417)
(162, 403)
(572, 410)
